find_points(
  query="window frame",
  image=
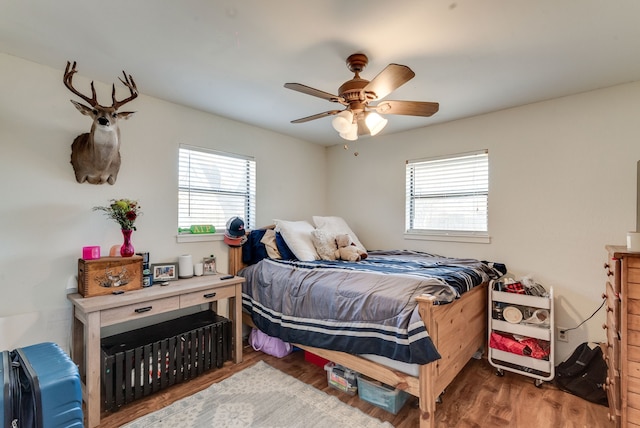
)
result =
(249, 214)
(480, 236)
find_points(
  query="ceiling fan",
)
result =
(359, 117)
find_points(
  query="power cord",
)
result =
(591, 316)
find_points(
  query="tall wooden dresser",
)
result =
(623, 336)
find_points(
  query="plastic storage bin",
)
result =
(381, 395)
(342, 378)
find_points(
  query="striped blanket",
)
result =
(365, 307)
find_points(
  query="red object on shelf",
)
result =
(529, 346)
(515, 287)
(315, 359)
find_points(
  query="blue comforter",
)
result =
(366, 307)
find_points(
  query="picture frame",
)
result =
(164, 272)
(209, 266)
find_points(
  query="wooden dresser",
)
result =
(622, 352)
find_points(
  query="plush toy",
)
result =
(347, 249)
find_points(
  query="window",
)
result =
(448, 196)
(215, 186)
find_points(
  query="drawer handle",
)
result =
(209, 295)
(604, 326)
(145, 309)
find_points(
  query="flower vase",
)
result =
(127, 248)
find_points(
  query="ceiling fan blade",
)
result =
(388, 80)
(311, 91)
(316, 116)
(409, 108)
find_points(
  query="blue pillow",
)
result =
(283, 248)
(253, 250)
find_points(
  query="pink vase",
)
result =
(127, 248)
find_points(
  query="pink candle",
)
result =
(91, 253)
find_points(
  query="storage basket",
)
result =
(139, 362)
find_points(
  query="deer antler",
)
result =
(68, 77)
(129, 83)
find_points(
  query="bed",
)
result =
(423, 315)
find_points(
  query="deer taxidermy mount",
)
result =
(95, 155)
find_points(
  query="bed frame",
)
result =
(458, 330)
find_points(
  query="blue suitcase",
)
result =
(41, 388)
(6, 398)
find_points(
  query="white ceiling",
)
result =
(231, 58)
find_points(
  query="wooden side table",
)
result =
(92, 313)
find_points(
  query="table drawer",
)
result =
(139, 310)
(207, 296)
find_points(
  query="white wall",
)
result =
(562, 186)
(46, 216)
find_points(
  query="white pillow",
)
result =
(336, 226)
(297, 235)
(325, 244)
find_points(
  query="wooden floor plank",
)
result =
(477, 398)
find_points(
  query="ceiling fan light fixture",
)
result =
(375, 122)
(342, 121)
(351, 134)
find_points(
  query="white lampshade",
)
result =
(375, 122)
(351, 134)
(342, 121)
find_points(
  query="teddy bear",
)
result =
(347, 249)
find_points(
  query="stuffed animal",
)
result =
(347, 249)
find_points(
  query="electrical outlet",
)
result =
(563, 334)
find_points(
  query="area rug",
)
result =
(259, 396)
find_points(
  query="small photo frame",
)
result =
(164, 272)
(209, 266)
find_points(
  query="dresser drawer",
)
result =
(207, 296)
(612, 268)
(139, 310)
(633, 338)
(612, 306)
(612, 386)
(633, 322)
(612, 352)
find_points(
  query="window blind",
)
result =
(215, 186)
(448, 193)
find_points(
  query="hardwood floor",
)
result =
(476, 398)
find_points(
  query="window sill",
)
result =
(473, 238)
(199, 237)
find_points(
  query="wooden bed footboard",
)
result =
(458, 330)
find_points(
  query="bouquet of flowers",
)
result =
(123, 211)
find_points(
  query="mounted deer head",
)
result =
(95, 156)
